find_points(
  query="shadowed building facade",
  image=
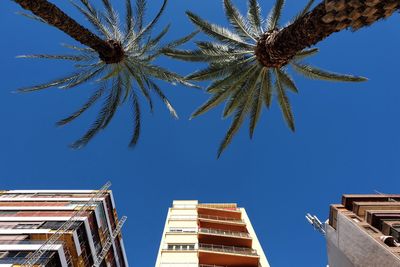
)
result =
(60, 228)
(209, 235)
(364, 231)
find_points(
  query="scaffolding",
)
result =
(107, 245)
(50, 243)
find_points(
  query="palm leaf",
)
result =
(136, 121)
(275, 14)
(167, 103)
(255, 110)
(218, 32)
(140, 9)
(129, 16)
(286, 80)
(238, 22)
(314, 73)
(284, 102)
(240, 95)
(60, 57)
(254, 16)
(33, 17)
(266, 86)
(304, 11)
(92, 100)
(53, 83)
(305, 53)
(239, 117)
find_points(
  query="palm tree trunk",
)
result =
(57, 18)
(277, 47)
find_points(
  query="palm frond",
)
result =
(254, 16)
(218, 32)
(53, 83)
(305, 53)
(129, 16)
(304, 11)
(275, 14)
(239, 117)
(244, 85)
(284, 102)
(33, 17)
(266, 86)
(60, 57)
(146, 30)
(91, 101)
(238, 22)
(256, 110)
(286, 80)
(83, 77)
(218, 71)
(140, 83)
(105, 114)
(315, 73)
(167, 103)
(93, 17)
(236, 75)
(140, 10)
(136, 120)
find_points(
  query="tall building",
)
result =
(74, 228)
(364, 231)
(209, 235)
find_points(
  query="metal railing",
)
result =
(218, 218)
(223, 232)
(228, 249)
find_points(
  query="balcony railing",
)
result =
(218, 218)
(223, 232)
(228, 249)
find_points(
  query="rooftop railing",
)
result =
(223, 232)
(228, 249)
(218, 218)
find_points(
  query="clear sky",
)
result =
(347, 139)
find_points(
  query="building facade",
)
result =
(74, 228)
(209, 235)
(364, 231)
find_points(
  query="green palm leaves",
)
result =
(124, 81)
(239, 77)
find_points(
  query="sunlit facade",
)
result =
(60, 228)
(364, 231)
(209, 235)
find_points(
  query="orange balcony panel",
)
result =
(226, 240)
(234, 214)
(229, 260)
(222, 225)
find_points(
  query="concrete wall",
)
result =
(350, 246)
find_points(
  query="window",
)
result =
(7, 213)
(182, 230)
(180, 246)
(26, 226)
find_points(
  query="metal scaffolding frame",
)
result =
(55, 237)
(98, 260)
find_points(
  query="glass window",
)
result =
(26, 226)
(181, 246)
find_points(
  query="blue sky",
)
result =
(347, 139)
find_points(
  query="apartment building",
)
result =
(75, 228)
(209, 235)
(364, 230)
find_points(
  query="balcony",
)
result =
(228, 249)
(219, 255)
(224, 237)
(224, 232)
(220, 218)
(213, 211)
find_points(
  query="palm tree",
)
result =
(119, 62)
(248, 65)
